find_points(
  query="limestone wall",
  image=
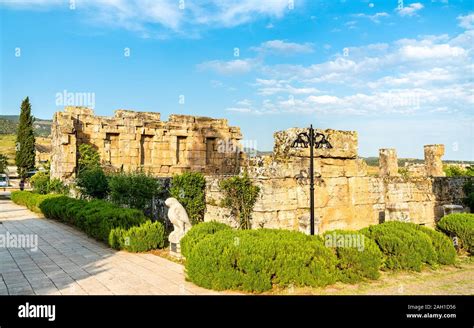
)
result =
(345, 197)
(132, 140)
(341, 201)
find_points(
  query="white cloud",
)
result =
(269, 26)
(216, 84)
(351, 24)
(449, 99)
(238, 109)
(323, 100)
(417, 79)
(466, 21)
(331, 71)
(366, 64)
(24, 4)
(231, 67)
(235, 12)
(283, 47)
(428, 74)
(431, 52)
(272, 87)
(375, 17)
(146, 15)
(410, 10)
(244, 103)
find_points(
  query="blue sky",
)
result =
(398, 72)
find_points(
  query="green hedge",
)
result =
(219, 257)
(255, 260)
(404, 245)
(96, 218)
(120, 227)
(198, 232)
(462, 226)
(445, 251)
(138, 239)
(359, 257)
(442, 245)
(30, 199)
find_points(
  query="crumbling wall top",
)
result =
(78, 110)
(388, 162)
(125, 113)
(179, 118)
(344, 144)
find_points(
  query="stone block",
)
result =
(388, 162)
(433, 161)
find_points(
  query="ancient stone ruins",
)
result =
(346, 196)
(138, 140)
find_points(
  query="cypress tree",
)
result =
(3, 163)
(25, 141)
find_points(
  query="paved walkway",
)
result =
(67, 262)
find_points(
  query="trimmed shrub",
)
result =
(255, 260)
(359, 257)
(63, 209)
(138, 239)
(31, 200)
(199, 232)
(443, 246)
(134, 190)
(460, 225)
(96, 218)
(189, 189)
(404, 246)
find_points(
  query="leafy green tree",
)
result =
(25, 140)
(189, 189)
(91, 178)
(88, 157)
(240, 196)
(456, 171)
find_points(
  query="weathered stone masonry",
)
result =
(139, 140)
(345, 196)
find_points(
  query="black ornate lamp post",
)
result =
(311, 140)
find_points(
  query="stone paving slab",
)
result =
(67, 262)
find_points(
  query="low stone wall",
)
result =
(341, 202)
(345, 196)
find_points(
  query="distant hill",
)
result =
(9, 124)
(253, 152)
(374, 161)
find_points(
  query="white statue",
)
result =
(178, 216)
